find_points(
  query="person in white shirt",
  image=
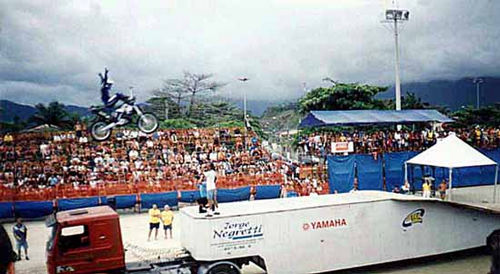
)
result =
(211, 178)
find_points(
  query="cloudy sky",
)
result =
(53, 50)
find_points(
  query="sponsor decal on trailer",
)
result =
(324, 224)
(237, 236)
(415, 217)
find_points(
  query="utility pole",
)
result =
(478, 81)
(244, 79)
(166, 108)
(395, 16)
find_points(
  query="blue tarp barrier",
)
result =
(473, 176)
(292, 194)
(33, 209)
(267, 192)
(189, 196)
(6, 210)
(67, 204)
(340, 173)
(369, 172)
(231, 195)
(125, 201)
(160, 199)
(395, 168)
(493, 154)
(440, 174)
(415, 180)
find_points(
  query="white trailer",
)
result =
(332, 232)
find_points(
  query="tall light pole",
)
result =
(395, 16)
(244, 79)
(478, 81)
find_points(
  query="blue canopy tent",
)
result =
(320, 118)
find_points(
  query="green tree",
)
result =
(470, 116)
(53, 114)
(342, 96)
(189, 87)
(164, 107)
(412, 101)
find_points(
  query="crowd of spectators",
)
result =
(319, 144)
(33, 161)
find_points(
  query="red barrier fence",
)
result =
(116, 188)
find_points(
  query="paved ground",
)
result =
(135, 228)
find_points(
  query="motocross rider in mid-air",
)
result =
(108, 101)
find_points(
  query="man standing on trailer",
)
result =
(202, 201)
(154, 221)
(211, 178)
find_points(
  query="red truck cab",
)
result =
(85, 241)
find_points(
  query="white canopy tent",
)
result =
(451, 152)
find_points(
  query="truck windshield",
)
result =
(52, 236)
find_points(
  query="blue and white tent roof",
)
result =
(360, 117)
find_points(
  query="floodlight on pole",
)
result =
(478, 81)
(244, 79)
(395, 16)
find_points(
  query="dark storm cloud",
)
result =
(54, 49)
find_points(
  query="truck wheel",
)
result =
(223, 268)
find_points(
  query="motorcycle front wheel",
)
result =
(147, 123)
(97, 133)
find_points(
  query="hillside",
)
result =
(9, 110)
(280, 117)
(452, 94)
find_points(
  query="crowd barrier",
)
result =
(125, 201)
(371, 172)
(74, 203)
(267, 192)
(232, 195)
(160, 199)
(36, 209)
(123, 188)
(340, 173)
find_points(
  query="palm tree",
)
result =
(53, 114)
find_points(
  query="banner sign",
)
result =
(342, 147)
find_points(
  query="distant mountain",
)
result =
(9, 110)
(82, 111)
(255, 107)
(452, 94)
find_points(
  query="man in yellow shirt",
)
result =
(426, 188)
(154, 220)
(167, 217)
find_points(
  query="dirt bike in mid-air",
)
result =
(124, 114)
